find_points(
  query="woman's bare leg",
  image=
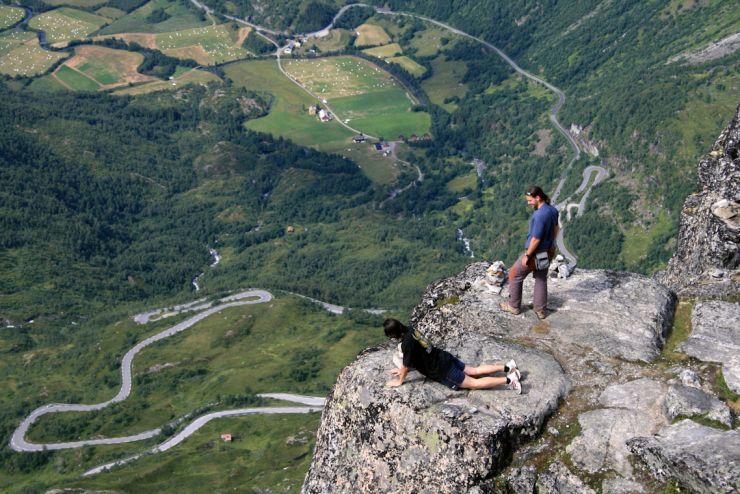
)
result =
(483, 369)
(483, 382)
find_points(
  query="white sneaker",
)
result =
(514, 385)
(512, 368)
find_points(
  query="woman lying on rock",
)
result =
(442, 366)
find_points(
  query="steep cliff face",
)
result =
(598, 411)
(707, 258)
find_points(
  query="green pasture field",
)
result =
(181, 17)
(445, 82)
(75, 3)
(338, 39)
(20, 54)
(409, 65)
(289, 118)
(219, 42)
(429, 41)
(46, 84)
(110, 13)
(189, 77)
(76, 80)
(336, 77)
(382, 113)
(65, 24)
(386, 51)
(371, 35)
(10, 15)
(288, 115)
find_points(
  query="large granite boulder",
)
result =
(687, 401)
(702, 459)
(715, 337)
(707, 258)
(378, 439)
(615, 314)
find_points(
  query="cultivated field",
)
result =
(362, 95)
(338, 77)
(371, 35)
(289, 118)
(193, 76)
(206, 45)
(180, 18)
(409, 65)
(386, 51)
(65, 24)
(20, 54)
(10, 15)
(75, 80)
(108, 67)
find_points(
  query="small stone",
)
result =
(553, 431)
(690, 378)
(718, 274)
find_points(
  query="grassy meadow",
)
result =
(445, 82)
(65, 24)
(338, 39)
(409, 65)
(371, 35)
(20, 54)
(363, 95)
(207, 45)
(385, 51)
(180, 18)
(75, 3)
(75, 80)
(108, 67)
(10, 15)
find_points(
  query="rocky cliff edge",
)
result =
(602, 409)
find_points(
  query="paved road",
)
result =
(18, 441)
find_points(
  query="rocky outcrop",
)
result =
(703, 459)
(715, 337)
(707, 258)
(424, 437)
(590, 372)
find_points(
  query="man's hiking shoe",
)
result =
(540, 314)
(511, 365)
(514, 385)
(507, 308)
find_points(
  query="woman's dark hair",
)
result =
(534, 191)
(394, 329)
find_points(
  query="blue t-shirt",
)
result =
(541, 225)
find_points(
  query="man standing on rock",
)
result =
(543, 229)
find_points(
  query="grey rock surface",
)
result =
(620, 485)
(378, 439)
(686, 401)
(709, 231)
(715, 337)
(522, 480)
(703, 459)
(559, 480)
(616, 314)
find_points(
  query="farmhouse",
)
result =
(324, 115)
(359, 138)
(226, 438)
(312, 110)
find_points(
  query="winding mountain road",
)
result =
(18, 441)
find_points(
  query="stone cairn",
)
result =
(559, 268)
(494, 279)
